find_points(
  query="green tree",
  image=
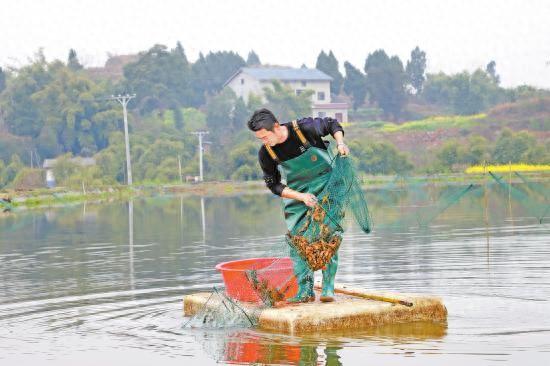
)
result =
(210, 73)
(20, 110)
(72, 61)
(2, 80)
(161, 78)
(10, 172)
(178, 118)
(463, 93)
(244, 161)
(253, 59)
(386, 82)
(449, 154)
(355, 85)
(511, 147)
(285, 104)
(220, 112)
(64, 168)
(240, 115)
(375, 157)
(328, 64)
(491, 69)
(477, 150)
(2, 167)
(68, 104)
(416, 68)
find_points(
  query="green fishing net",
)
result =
(318, 235)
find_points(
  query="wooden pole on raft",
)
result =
(370, 296)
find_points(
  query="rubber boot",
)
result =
(327, 294)
(304, 277)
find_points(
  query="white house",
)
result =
(49, 164)
(253, 80)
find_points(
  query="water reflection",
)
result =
(131, 242)
(257, 347)
(86, 279)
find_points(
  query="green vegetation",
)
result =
(520, 147)
(436, 122)
(403, 121)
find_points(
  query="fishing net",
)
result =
(316, 238)
(318, 235)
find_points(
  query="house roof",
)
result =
(282, 73)
(78, 160)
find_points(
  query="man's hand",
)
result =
(308, 199)
(343, 149)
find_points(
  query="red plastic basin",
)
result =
(277, 272)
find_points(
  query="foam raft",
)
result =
(358, 311)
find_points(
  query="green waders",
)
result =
(306, 173)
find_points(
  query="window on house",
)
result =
(304, 83)
(320, 95)
(299, 91)
(242, 81)
(321, 114)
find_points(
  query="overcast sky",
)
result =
(456, 35)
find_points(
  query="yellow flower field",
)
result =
(502, 168)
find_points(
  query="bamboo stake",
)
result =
(371, 296)
(486, 206)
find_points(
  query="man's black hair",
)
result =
(262, 118)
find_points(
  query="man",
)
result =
(297, 153)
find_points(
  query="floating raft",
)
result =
(357, 311)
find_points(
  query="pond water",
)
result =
(103, 283)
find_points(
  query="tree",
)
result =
(253, 59)
(240, 114)
(210, 72)
(178, 118)
(161, 78)
(449, 154)
(285, 104)
(219, 118)
(72, 61)
(492, 71)
(10, 172)
(243, 158)
(511, 147)
(463, 93)
(477, 151)
(21, 112)
(386, 82)
(355, 84)
(415, 69)
(329, 65)
(375, 157)
(2, 80)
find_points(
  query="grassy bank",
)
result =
(27, 199)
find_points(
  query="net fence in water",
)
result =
(407, 202)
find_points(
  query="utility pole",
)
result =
(200, 134)
(123, 100)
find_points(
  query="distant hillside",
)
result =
(420, 138)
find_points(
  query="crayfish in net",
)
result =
(315, 241)
(268, 294)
